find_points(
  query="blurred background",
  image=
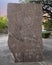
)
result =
(46, 15)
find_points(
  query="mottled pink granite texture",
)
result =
(24, 28)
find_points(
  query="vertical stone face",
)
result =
(25, 41)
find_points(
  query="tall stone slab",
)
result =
(24, 24)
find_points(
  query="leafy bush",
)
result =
(48, 25)
(45, 34)
(35, 1)
(3, 23)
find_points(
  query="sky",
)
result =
(3, 6)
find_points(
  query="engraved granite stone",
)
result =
(24, 24)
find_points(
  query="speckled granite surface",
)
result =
(25, 40)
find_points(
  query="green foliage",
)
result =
(35, 1)
(3, 23)
(25, 1)
(45, 34)
(48, 25)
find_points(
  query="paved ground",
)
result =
(6, 59)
